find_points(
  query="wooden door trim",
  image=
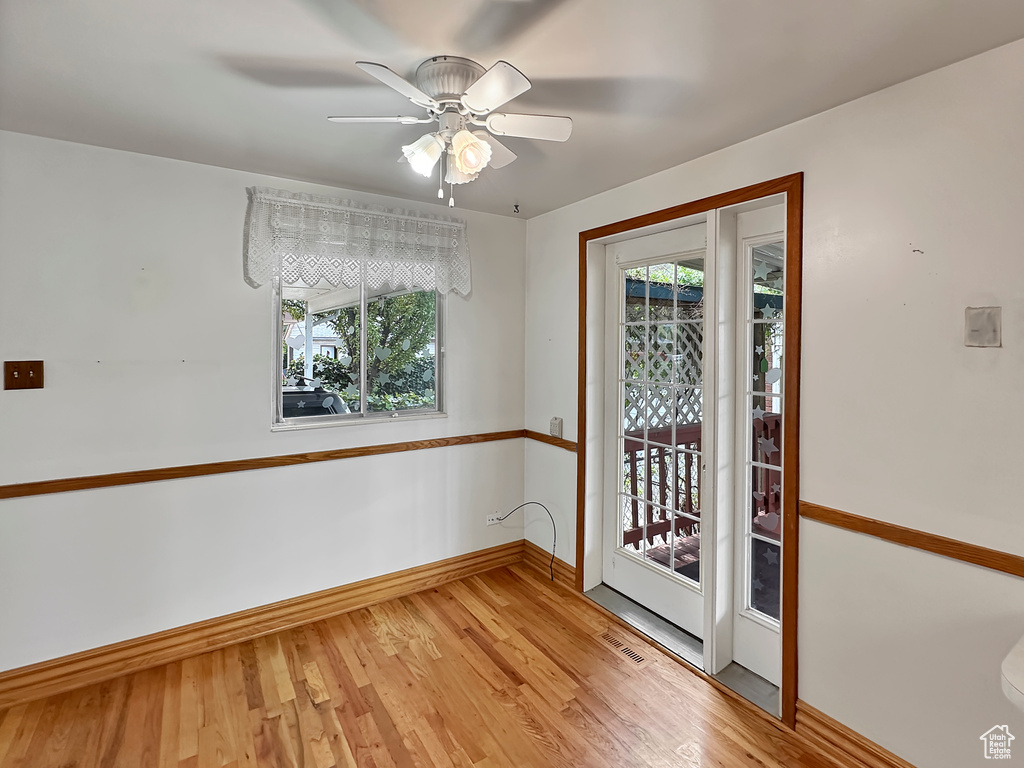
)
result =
(792, 187)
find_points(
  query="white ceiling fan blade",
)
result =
(500, 154)
(499, 84)
(400, 84)
(545, 127)
(403, 119)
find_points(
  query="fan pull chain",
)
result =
(440, 176)
(451, 194)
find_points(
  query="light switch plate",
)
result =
(983, 327)
(556, 426)
(23, 374)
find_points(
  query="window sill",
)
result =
(382, 419)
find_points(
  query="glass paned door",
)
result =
(760, 356)
(662, 333)
(654, 551)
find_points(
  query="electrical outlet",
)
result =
(493, 519)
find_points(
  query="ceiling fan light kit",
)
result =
(456, 176)
(460, 95)
(424, 153)
(471, 153)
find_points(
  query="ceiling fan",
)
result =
(461, 97)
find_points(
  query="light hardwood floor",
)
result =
(502, 669)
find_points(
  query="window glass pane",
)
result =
(766, 355)
(689, 275)
(660, 351)
(401, 369)
(766, 430)
(634, 358)
(765, 570)
(660, 414)
(689, 345)
(325, 385)
(688, 483)
(766, 502)
(768, 281)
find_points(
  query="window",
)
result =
(359, 296)
(380, 354)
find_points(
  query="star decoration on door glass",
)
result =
(756, 583)
(761, 270)
(776, 487)
(767, 447)
(758, 413)
(759, 349)
(772, 557)
(301, 404)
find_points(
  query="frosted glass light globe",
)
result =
(424, 153)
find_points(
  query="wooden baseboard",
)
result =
(840, 743)
(540, 560)
(99, 664)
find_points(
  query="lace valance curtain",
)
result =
(308, 240)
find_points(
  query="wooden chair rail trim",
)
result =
(965, 552)
(89, 482)
(558, 442)
(836, 740)
(97, 665)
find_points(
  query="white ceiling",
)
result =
(247, 84)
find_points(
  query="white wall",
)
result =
(899, 421)
(120, 271)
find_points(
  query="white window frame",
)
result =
(280, 423)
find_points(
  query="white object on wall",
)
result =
(1013, 674)
(983, 327)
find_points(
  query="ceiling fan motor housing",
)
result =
(449, 123)
(446, 78)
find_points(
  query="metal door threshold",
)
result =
(679, 641)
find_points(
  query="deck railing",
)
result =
(667, 477)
